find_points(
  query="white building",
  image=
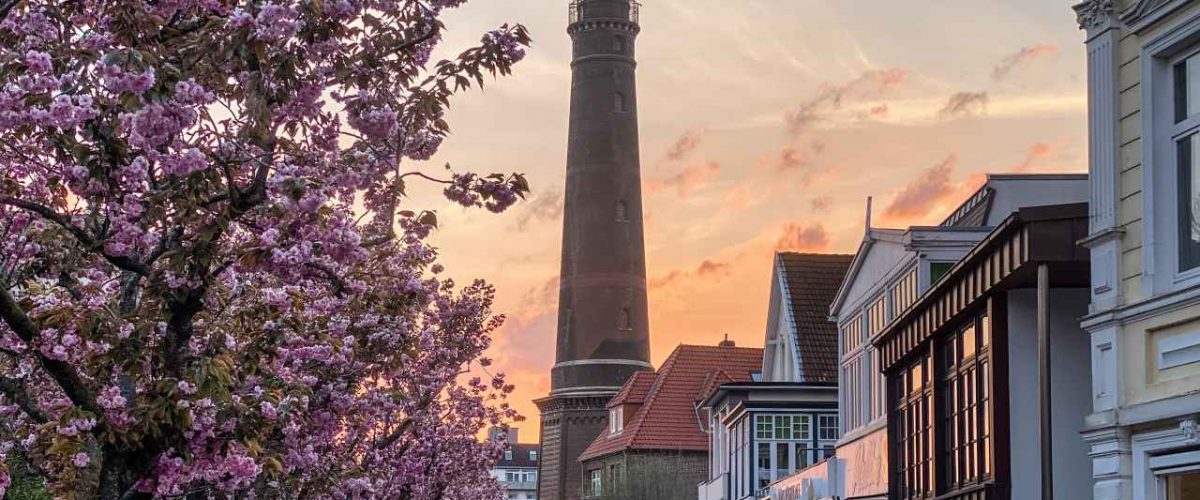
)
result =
(1144, 322)
(517, 469)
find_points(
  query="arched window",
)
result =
(618, 44)
(623, 321)
(619, 102)
(622, 212)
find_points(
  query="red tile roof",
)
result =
(635, 389)
(811, 282)
(667, 419)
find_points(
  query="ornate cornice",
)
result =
(1093, 14)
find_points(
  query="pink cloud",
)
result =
(544, 207)
(1023, 57)
(822, 204)
(684, 146)
(802, 238)
(1036, 152)
(689, 179)
(925, 192)
(831, 97)
(965, 104)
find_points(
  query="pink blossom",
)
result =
(80, 459)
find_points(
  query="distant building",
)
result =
(517, 469)
(656, 446)
(1143, 83)
(764, 430)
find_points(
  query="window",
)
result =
(964, 384)
(616, 420)
(508, 454)
(533, 455)
(912, 424)
(938, 269)
(876, 318)
(784, 444)
(596, 481)
(852, 336)
(619, 44)
(1186, 133)
(828, 427)
(1183, 486)
(623, 320)
(619, 103)
(905, 292)
(622, 212)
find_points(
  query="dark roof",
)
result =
(811, 282)
(520, 456)
(667, 420)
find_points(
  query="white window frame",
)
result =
(596, 477)
(616, 421)
(1160, 208)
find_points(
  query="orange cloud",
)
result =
(798, 238)
(1023, 57)
(964, 104)
(830, 97)
(1036, 152)
(689, 180)
(684, 146)
(709, 268)
(925, 192)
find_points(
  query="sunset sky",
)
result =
(765, 125)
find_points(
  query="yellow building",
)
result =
(1144, 320)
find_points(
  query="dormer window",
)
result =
(616, 420)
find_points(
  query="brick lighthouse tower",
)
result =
(603, 324)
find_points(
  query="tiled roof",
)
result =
(667, 419)
(635, 389)
(811, 282)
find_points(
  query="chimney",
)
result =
(727, 342)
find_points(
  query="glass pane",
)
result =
(985, 330)
(783, 427)
(781, 460)
(1187, 88)
(968, 342)
(1189, 202)
(1183, 486)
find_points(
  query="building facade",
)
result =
(603, 323)
(517, 469)
(765, 430)
(891, 270)
(1144, 238)
(656, 444)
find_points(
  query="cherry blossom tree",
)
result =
(211, 282)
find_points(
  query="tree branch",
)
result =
(61, 372)
(92, 245)
(16, 391)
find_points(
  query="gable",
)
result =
(881, 258)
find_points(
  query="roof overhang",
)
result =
(1007, 258)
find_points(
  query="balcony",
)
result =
(714, 489)
(576, 7)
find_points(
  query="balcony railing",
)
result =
(575, 11)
